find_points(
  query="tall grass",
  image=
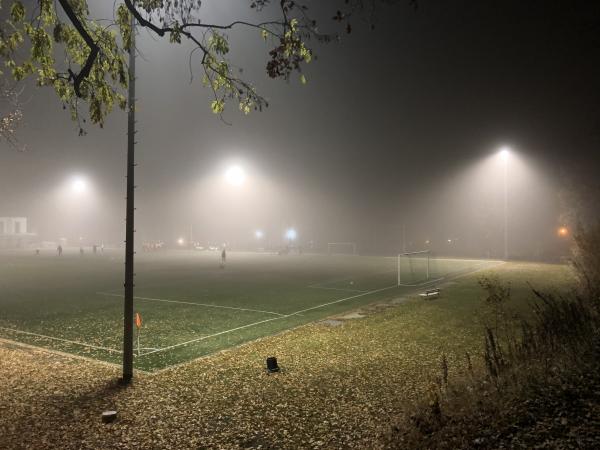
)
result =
(586, 260)
(521, 358)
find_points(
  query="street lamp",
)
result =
(504, 154)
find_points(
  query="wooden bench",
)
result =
(431, 293)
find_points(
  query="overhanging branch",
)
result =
(94, 49)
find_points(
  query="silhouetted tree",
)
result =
(84, 60)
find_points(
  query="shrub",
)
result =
(586, 260)
(532, 373)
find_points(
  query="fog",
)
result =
(393, 143)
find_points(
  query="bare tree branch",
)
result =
(94, 49)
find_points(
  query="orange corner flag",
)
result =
(138, 320)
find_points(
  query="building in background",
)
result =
(13, 233)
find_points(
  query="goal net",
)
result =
(341, 248)
(414, 268)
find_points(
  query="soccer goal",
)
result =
(414, 268)
(341, 248)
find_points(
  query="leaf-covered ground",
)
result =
(341, 384)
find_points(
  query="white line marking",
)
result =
(51, 351)
(211, 335)
(150, 299)
(62, 340)
(341, 300)
(423, 283)
(266, 320)
(358, 276)
(282, 316)
(335, 289)
(459, 272)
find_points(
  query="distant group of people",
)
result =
(59, 249)
(146, 247)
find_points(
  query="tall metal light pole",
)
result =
(504, 155)
(129, 220)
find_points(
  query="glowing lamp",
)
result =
(235, 176)
(79, 185)
(291, 234)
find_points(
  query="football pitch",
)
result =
(190, 306)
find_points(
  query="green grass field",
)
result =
(190, 306)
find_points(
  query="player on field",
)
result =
(59, 250)
(223, 258)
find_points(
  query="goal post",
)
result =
(341, 248)
(414, 268)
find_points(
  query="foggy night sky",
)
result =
(384, 133)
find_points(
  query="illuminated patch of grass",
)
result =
(76, 299)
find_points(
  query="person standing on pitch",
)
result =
(59, 250)
(223, 258)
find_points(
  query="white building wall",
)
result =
(13, 225)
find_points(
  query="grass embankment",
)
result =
(539, 388)
(341, 386)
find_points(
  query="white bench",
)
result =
(431, 293)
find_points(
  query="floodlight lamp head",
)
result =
(504, 152)
(259, 234)
(235, 176)
(79, 185)
(291, 234)
(180, 241)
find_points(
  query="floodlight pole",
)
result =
(505, 206)
(129, 220)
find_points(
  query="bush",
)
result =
(586, 260)
(538, 377)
